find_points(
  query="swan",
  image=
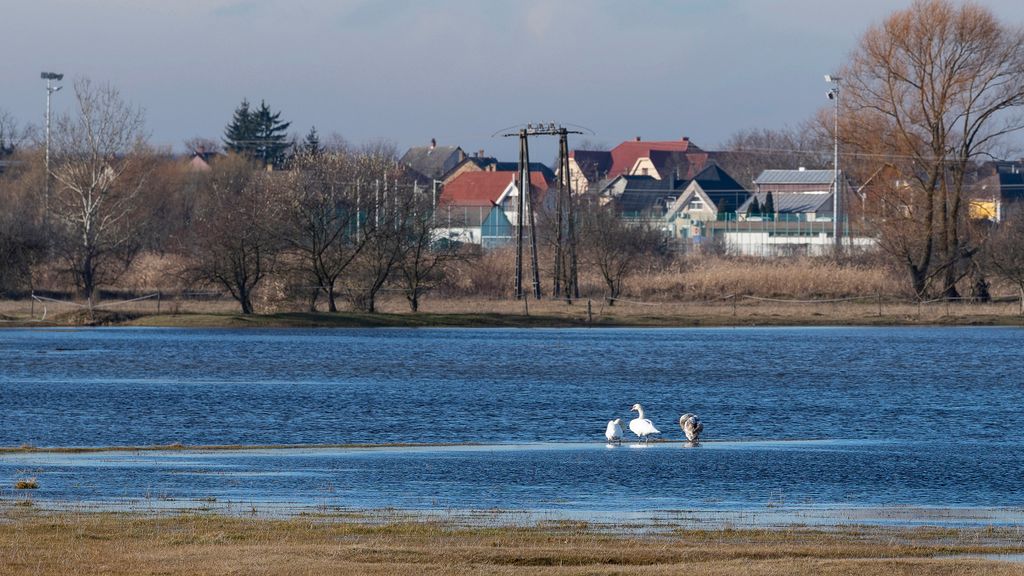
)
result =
(614, 431)
(692, 426)
(641, 426)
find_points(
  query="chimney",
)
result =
(480, 154)
(433, 143)
(686, 138)
(637, 138)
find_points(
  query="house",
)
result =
(712, 194)
(1000, 187)
(482, 207)
(429, 163)
(639, 198)
(657, 159)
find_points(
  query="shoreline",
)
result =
(41, 542)
(861, 316)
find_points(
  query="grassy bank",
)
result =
(738, 311)
(33, 542)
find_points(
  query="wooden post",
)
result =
(879, 304)
(590, 314)
(158, 302)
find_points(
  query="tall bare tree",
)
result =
(1004, 254)
(233, 243)
(750, 151)
(425, 257)
(23, 238)
(100, 163)
(928, 92)
(614, 248)
(384, 201)
(322, 218)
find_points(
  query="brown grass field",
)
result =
(42, 543)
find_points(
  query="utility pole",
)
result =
(50, 77)
(525, 205)
(833, 95)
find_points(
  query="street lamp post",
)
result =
(50, 77)
(833, 95)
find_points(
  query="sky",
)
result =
(406, 71)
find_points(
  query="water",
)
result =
(797, 420)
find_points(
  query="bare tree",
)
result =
(1004, 254)
(233, 243)
(322, 218)
(23, 239)
(200, 146)
(928, 92)
(384, 200)
(615, 248)
(425, 257)
(12, 135)
(749, 152)
(100, 165)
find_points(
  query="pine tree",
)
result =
(259, 134)
(240, 134)
(769, 204)
(755, 208)
(271, 136)
(311, 145)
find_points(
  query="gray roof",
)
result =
(795, 177)
(793, 202)
(432, 161)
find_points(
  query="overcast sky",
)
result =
(458, 71)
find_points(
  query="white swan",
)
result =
(692, 426)
(641, 426)
(614, 431)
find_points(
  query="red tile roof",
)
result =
(483, 188)
(625, 155)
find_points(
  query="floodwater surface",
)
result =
(796, 419)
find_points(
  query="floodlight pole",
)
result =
(833, 95)
(50, 89)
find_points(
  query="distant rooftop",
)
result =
(795, 177)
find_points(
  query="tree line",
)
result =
(927, 96)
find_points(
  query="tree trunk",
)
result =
(312, 299)
(245, 299)
(332, 304)
(918, 280)
(414, 302)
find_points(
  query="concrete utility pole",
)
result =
(833, 95)
(50, 77)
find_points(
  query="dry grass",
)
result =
(706, 291)
(33, 542)
(26, 484)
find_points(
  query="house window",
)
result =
(696, 204)
(643, 171)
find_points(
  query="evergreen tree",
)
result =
(259, 134)
(271, 136)
(755, 207)
(311, 145)
(240, 134)
(769, 204)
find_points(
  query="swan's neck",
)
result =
(640, 413)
